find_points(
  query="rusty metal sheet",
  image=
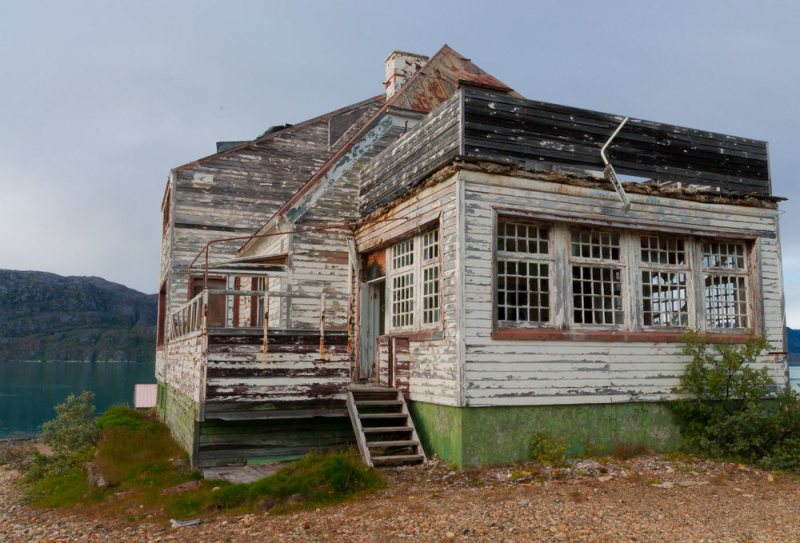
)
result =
(439, 79)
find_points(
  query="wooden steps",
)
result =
(384, 430)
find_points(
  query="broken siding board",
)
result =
(239, 372)
(505, 129)
(505, 372)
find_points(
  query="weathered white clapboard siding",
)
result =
(433, 363)
(186, 363)
(319, 263)
(233, 193)
(291, 372)
(161, 364)
(526, 372)
(270, 245)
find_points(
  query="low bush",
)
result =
(548, 451)
(726, 414)
(71, 436)
(74, 428)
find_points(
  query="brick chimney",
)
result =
(400, 67)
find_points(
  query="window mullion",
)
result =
(560, 306)
(635, 283)
(418, 286)
(699, 292)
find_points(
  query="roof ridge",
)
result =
(317, 175)
(289, 129)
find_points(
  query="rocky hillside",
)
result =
(44, 316)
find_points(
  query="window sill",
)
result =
(552, 334)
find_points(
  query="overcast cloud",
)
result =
(98, 100)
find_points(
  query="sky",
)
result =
(100, 99)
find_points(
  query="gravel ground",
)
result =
(645, 499)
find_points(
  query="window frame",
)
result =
(549, 259)
(416, 269)
(623, 265)
(746, 272)
(396, 272)
(689, 245)
(562, 325)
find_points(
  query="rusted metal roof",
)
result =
(439, 78)
(437, 81)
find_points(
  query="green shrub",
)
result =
(71, 437)
(74, 428)
(548, 451)
(726, 414)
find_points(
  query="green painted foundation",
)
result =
(179, 412)
(469, 436)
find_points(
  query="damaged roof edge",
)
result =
(485, 80)
(289, 130)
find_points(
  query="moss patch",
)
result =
(139, 458)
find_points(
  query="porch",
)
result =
(261, 389)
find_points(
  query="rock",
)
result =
(450, 535)
(183, 487)
(295, 499)
(665, 484)
(770, 478)
(692, 483)
(94, 477)
(177, 462)
(604, 478)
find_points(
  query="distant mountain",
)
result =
(44, 316)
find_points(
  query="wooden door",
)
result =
(373, 322)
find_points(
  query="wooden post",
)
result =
(265, 342)
(205, 311)
(349, 324)
(322, 325)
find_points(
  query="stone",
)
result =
(94, 477)
(183, 487)
(295, 499)
(665, 484)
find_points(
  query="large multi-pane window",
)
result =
(415, 282)
(403, 284)
(725, 277)
(665, 281)
(523, 272)
(430, 277)
(566, 276)
(596, 270)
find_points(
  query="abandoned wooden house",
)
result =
(451, 267)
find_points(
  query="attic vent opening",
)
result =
(609, 172)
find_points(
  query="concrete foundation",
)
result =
(501, 435)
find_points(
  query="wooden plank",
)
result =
(518, 131)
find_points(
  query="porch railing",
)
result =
(190, 317)
(252, 311)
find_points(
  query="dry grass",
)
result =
(626, 450)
